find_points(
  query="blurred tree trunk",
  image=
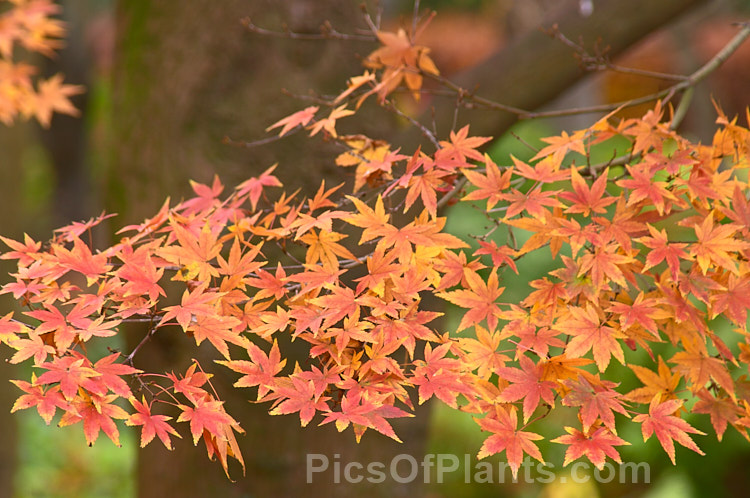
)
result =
(185, 76)
(12, 142)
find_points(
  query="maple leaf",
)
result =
(71, 372)
(97, 413)
(527, 383)
(239, 265)
(53, 321)
(506, 437)
(299, 118)
(254, 186)
(438, 375)
(46, 401)
(536, 340)
(372, 220)
(714, 245)
(81, 259)
(139, 272)
(595, 446)
(587, 199)
(402, 60)
(597, 401)
(532, 202)
(380, 266)
(300, 396)
(152, 425)
(642, 312)
(667, 427)
(560, 146)
(588, 333)
(722, 410)
(34, 346)
(367, 413)
(324, 247)
(26, 252)
(353, 84)
(734, 301)
(269, 284)
(662, 250)
(660, 386)
(190, 383)
(461, 146)
(9, 328)
(490, 186)
(481, 353)
(425, 186)
(500, 255)
(479, 298)
(206, 414)
(218, 330)
(193, 303)
(545, 171)
(642, 186)
(110, 374)
(699, 368)
(352, 330)
(452, 265)
(408, 327)
(329, 124)
(53, 96)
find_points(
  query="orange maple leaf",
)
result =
(506, 437)
(667, 427)
(596, 446)
(480, 298)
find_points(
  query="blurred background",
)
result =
(167, 81)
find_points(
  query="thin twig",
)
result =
(263, 141)
(425, 131)
(327, 32)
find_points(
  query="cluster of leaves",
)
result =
(28, 24)
(650, 249)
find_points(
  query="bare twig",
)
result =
(263, 141)
(327, 32)
(425, 131)
(683, 83)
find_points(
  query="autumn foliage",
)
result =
(29, 25)
(650, 251)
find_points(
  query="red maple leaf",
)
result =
(667, 427)
(722, 410)
(597, 401)
(206, 414)
(299, 395)
(438, 375)
(506, 437)
(595, 446)
(299, 118)
(260, 371)
(254, 186)
(46, 400)
(97, 413)
(152, 425)
(527, 383)
(364, 412)
(71, 372)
